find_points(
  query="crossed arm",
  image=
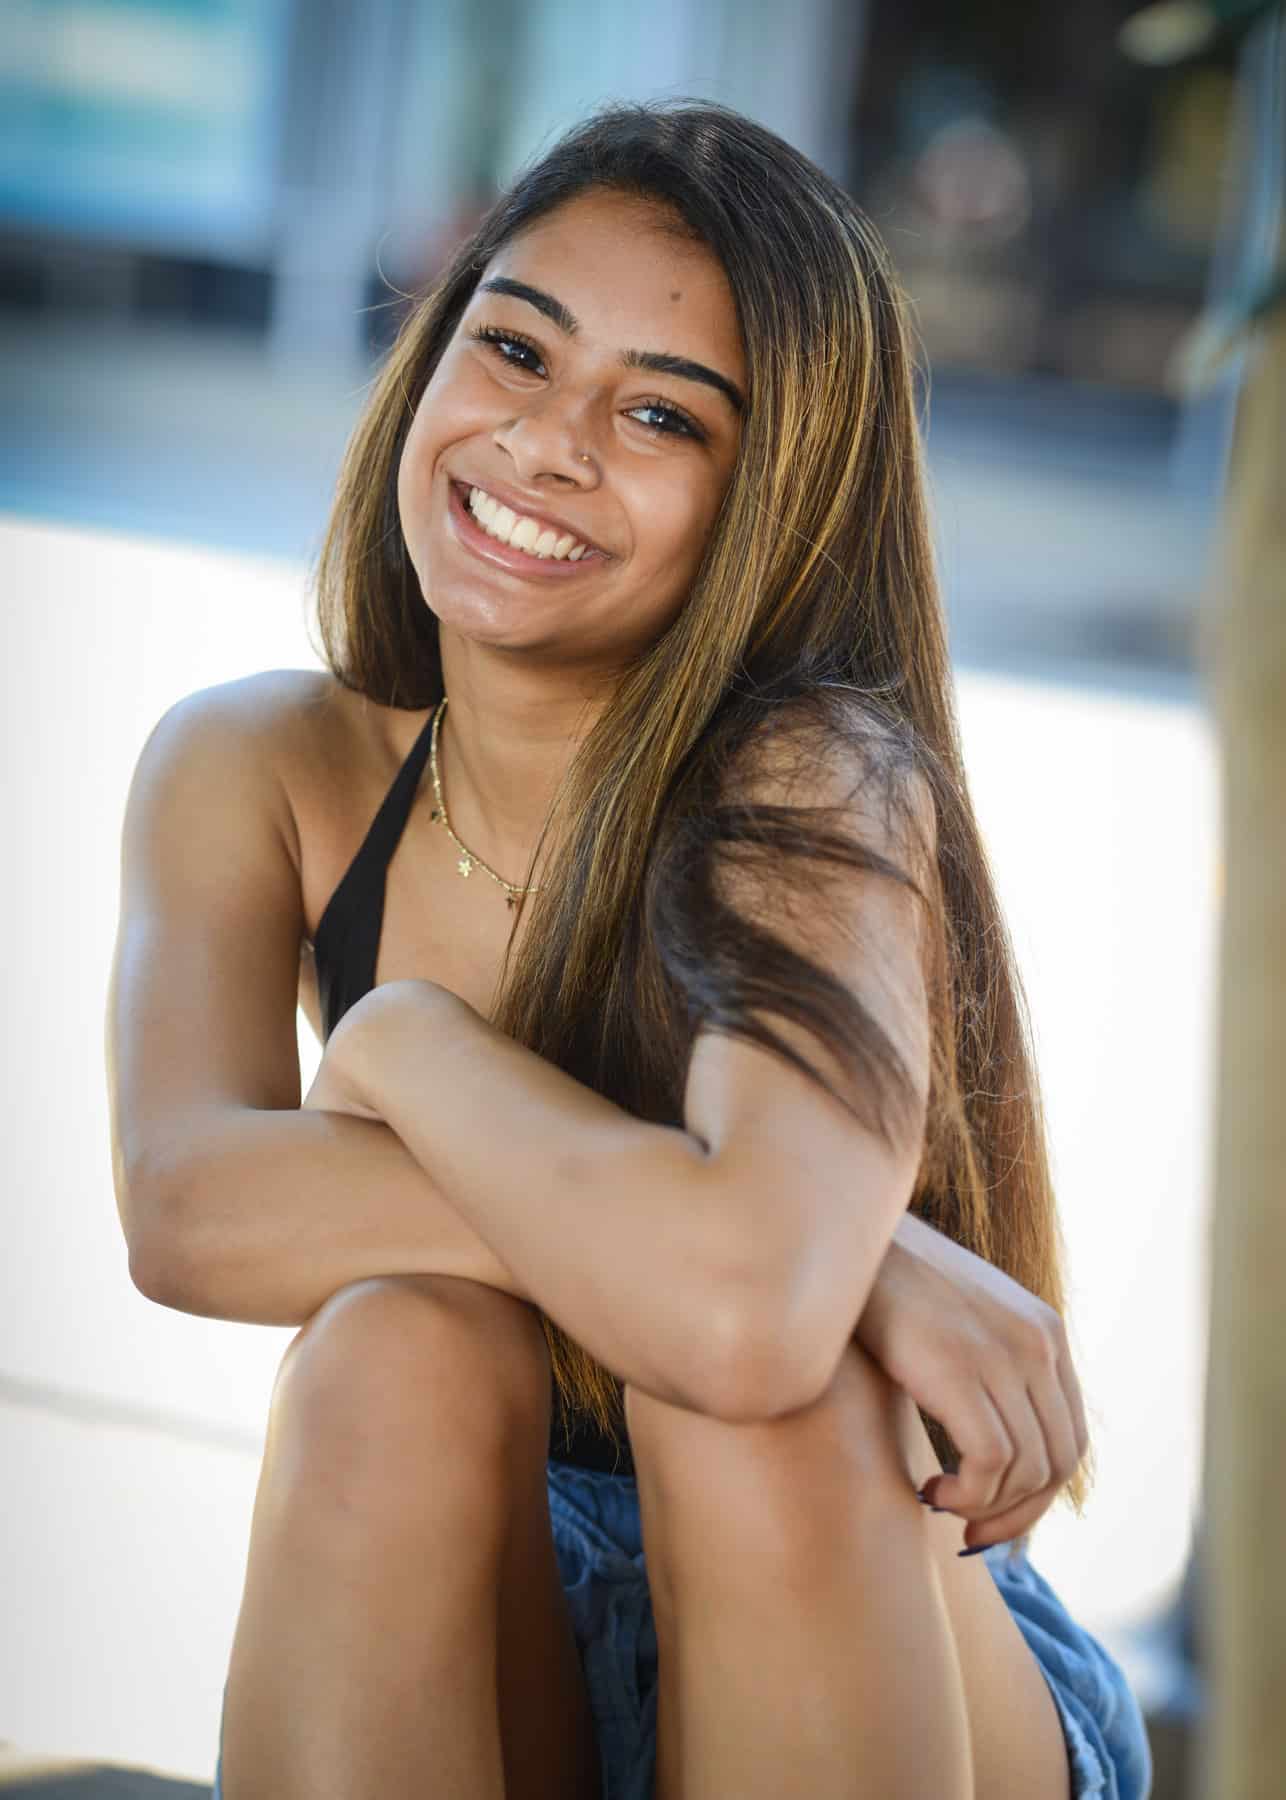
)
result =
(711, 1266)
(665, 1255)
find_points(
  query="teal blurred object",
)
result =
(154, 123)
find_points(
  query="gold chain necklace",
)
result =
(469, 860)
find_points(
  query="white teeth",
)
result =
(522, 533)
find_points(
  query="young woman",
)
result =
(670, 1213)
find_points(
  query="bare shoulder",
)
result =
(835, 752)
(275, 728)
(272, 709)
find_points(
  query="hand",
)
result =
(990, 1362)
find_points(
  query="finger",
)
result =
(1039, 1422)
(986, 1448)
(1029, 1468)
(1050, 1405)
(1008, 1525)
(976, 1493)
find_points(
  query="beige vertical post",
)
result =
(1244, 1568)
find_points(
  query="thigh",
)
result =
(429, 1396)
(861, 1448)
(548, 1734)
(1014, 1722)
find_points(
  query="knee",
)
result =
(402, 1388)
(842, 1458)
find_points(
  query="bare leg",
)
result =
(805, 1644)
(398, 1582)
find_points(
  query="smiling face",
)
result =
(569, 456)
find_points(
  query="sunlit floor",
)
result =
(131, 1434)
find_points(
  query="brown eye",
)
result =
(510, 347)
(667, 420)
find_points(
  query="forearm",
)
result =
(923, 1273)
(267, 1214)
(610, 1221)
(914, 1234)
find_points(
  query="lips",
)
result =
(469, 533)
(523, 508)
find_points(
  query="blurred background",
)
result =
(211, 215)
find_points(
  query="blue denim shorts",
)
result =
(598, 1538)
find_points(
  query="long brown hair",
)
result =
(817, 600)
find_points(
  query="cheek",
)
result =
(667, 507)
(688, 521)
(419, 455)
(675, 533)
(450, 410)
(409, 490)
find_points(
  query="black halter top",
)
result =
(345, 948)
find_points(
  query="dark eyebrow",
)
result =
(657, 361)
(537, 297)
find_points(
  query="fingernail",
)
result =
(976, 1551)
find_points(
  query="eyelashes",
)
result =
(677, 423)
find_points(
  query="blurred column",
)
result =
(796, 70)
(464, 61)
(344, 94)
(1243, 1602)
(1254, 183)
(792, 68)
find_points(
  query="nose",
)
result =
(549, 440)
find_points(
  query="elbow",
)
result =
(779, 1352)
(155, 1273)
(156, 1267)
(760, 1369)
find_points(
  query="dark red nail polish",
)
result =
(976, 1551)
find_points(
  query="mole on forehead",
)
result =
(676, 295)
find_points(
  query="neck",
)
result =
(506, 740)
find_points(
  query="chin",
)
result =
(500, 621)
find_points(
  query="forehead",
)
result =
(630, 279)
